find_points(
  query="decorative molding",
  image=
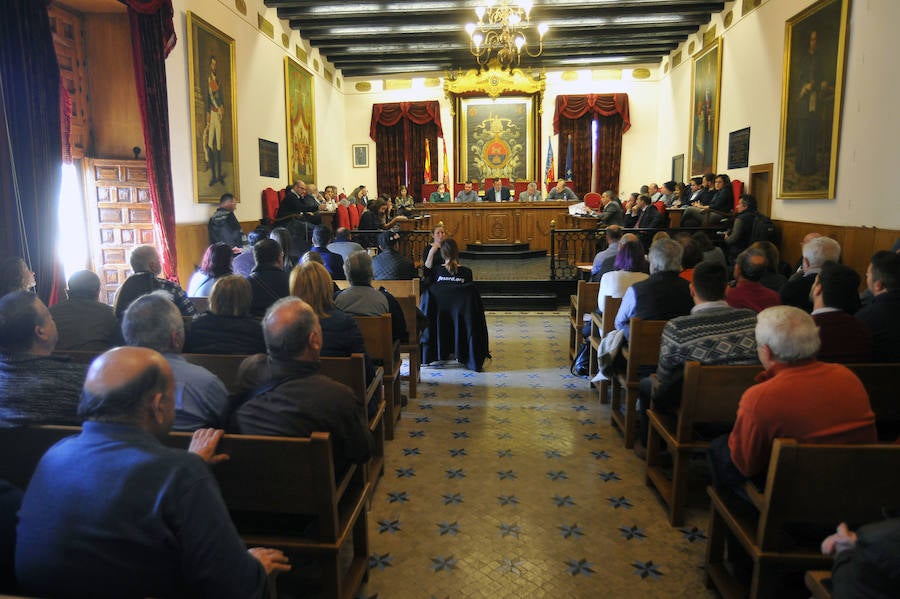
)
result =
(315, 65)
(285, 40)
(607, 74)
(302, 55)
(265, 26)
(709, 36)
(641, 73)
(338, 81)
(494, 82)
(363, 86)
(241, 6)
(569, 76)
(433, 82)
(676, 59)
(729, 18)
(392, 84)
(691, 47)
(329, 76)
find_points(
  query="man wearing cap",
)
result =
(389, 264)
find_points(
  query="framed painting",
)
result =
(706, 85)
(213, 99)
(360, 156)
(497, 138)
(301, 121)
(811, 91)
(678, 168)
(268, 158)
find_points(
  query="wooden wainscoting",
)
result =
(191, 240)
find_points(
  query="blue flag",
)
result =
(569, 160)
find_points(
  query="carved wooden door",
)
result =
(120, 218)
(67, 28)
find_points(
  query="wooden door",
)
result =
(761, 187)
(67, 28)
(117, 197)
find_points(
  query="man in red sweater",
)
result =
(749, 292)
(796, 397)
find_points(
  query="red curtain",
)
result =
(574, 115)
(399, 130)
(152, 38)
(31, 155)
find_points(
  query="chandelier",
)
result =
(502, 33)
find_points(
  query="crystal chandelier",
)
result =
(501, 33)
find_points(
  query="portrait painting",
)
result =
(301, 123)
(360, 156)
(213, 95)
(496, 138)
(812, 83)
(706, 81)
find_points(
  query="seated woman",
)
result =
(404, 203)
(373, 219)
(441, 195)
(216, 264)
(286, 242)
(340, 333)
(15, 276)
(631, 267)
(227, 328)
(450, 272)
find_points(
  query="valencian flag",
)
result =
(550, 176)
(427, 174)
(569, 160)
(446, 166)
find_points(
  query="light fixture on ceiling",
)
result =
(502, 33)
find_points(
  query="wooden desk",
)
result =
(498, 222)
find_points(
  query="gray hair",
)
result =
(790, 333)
(150, 321)
(142, 257)
(820, 250)
(358, 268)
(288, 340)
(664, 255)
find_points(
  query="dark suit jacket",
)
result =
(723, 200)
(650, 218)
(490, 196)
(612, 214)
(796, 292)
(456, 325)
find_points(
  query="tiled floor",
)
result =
(511, 483)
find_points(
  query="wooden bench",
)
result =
(583, 302)
(642, 351)
(376, 332)
(601, 325)
(880, 381)
(819, 583)
(806, 485)
(266, 478)
(201, 304)
(413, 348)
(710, 394)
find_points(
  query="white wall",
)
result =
(260, 106)
(753, 54)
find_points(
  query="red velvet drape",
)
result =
(31, 157)
(573, 115)
(399, 130)
(152, 38)
(580, 130)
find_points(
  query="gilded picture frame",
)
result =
(300, 115)
(811, 93)
(213, 108)
(706, 89)
(497, 137)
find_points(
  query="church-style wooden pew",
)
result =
(819, 583)
(808, 487)
(584, 301)
(281, 492)
(642, 351)
(601, 325)
(880, 381)
(376, 332)
(710, 394)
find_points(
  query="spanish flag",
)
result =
(427, 174)
(446, 167)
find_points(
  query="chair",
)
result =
(270, 204)
(601, 325)
(360, 209)
(343, 217)
(456, 325)
(518, 188)
(410, 303)
(427, 190)
(642, 351)
(737, 188)
(376, 332)
(592, 200)
(353, 215)
(489, 182)
(583, 302)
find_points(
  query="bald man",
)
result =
(281, 393)
(112, 512)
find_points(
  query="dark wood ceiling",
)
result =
(384, 37)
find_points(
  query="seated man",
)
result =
(112, 512)
(467, 194)
(532, 194)
(201, 400)
(663, 295)
(342, 244)
(297, 202)
(224, 226)
(797, 397)
(267, 279)
(613, 235)
(333, 262)
(713, 333)
(243, 263)
(561, 192)
(146, 268)
(816, 252)
(83, 323)
(717, 203)
(741, 235)
(389, 264)
(361, 299)
(883, 313)
(749, 292)
(497, 193)
(648, 215)
(612, 211)
(35, 387)
(845, 339)
(281, 392)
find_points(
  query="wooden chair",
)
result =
(710, 394)
(601, 325)
(410, 305)
(642, 351)
(201, 304)
(376, 332)
(28, 444)
(806, 485)
(819, 583)
(583, 302)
